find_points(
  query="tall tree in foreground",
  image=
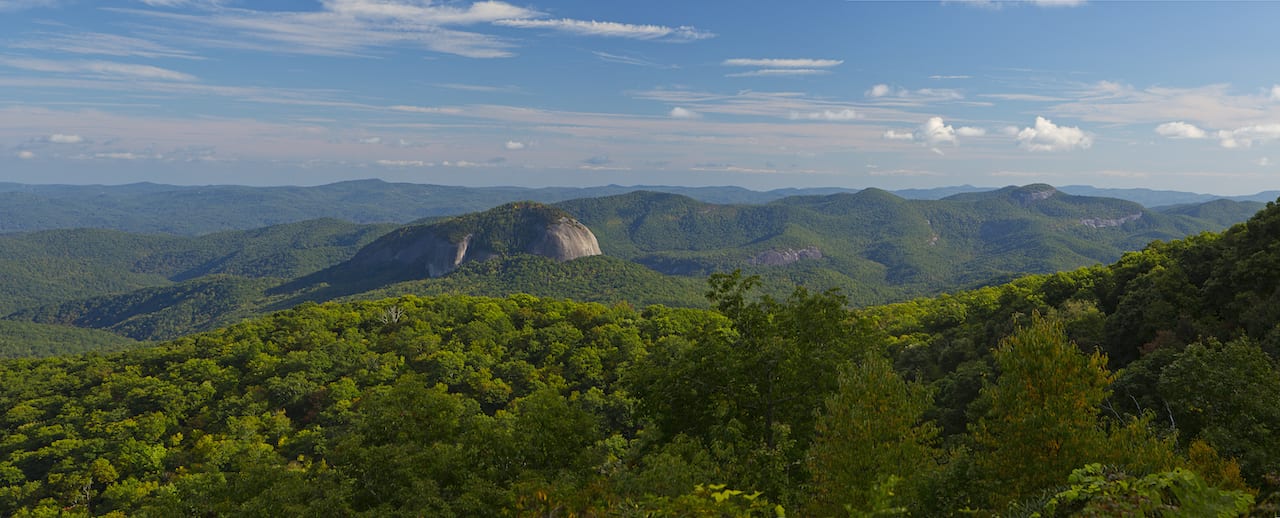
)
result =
(870, 448)
(1043, 417)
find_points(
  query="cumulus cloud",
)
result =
(26, 155)
(1179, 130)
(514, 146)
(879, 90)
(1248, 135)
(611, 29)
(371, 140)
(846, 114)
(59, 138)
(934, 131)
(1275, 93)
(683, 113)
(1047, 136)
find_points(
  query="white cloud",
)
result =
(18, 5)
(879, 90)
(683, 113)
(630, 60)
(1000, 4)
(782, 63)
(514, 146)
(1264, 161)
(125, 156)
(371, 140)
(404, 163)
(26, 155)
(1249, 135)
(934, 131)
(1057, 3)
(1179, 130)
(890, 95)
(774, 72)
(846, 114)
(59, 138)
(1047, 136)
(427, 12)
(106, 68)
(105, 44)
(611, 29)
(1275, 93)
(423, 109)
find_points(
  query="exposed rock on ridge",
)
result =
(1113, 222)
(437, 249)
(785, 256)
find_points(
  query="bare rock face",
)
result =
(1111, 222)
(566, 240)
(1032, 194)
(785, 256)
(436, 250)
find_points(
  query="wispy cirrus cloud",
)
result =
(369, 27)
(101, 68)
(98, 43)
(20, 5)
(630, 60)
(682, 33)
(782, 63)
(779, 67)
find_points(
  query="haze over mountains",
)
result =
(195, 210)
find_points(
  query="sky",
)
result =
(764, 95)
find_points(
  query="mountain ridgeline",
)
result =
(641, 247)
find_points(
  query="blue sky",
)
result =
(759, 94)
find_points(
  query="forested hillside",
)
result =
(58, 265)
(1149, 386)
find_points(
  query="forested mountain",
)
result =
(873, 245)
(1145, 387)
(193, 210)
(58, 265)
(879, 247)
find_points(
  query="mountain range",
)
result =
(649, 248)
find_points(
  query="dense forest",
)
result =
(1146, 387)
